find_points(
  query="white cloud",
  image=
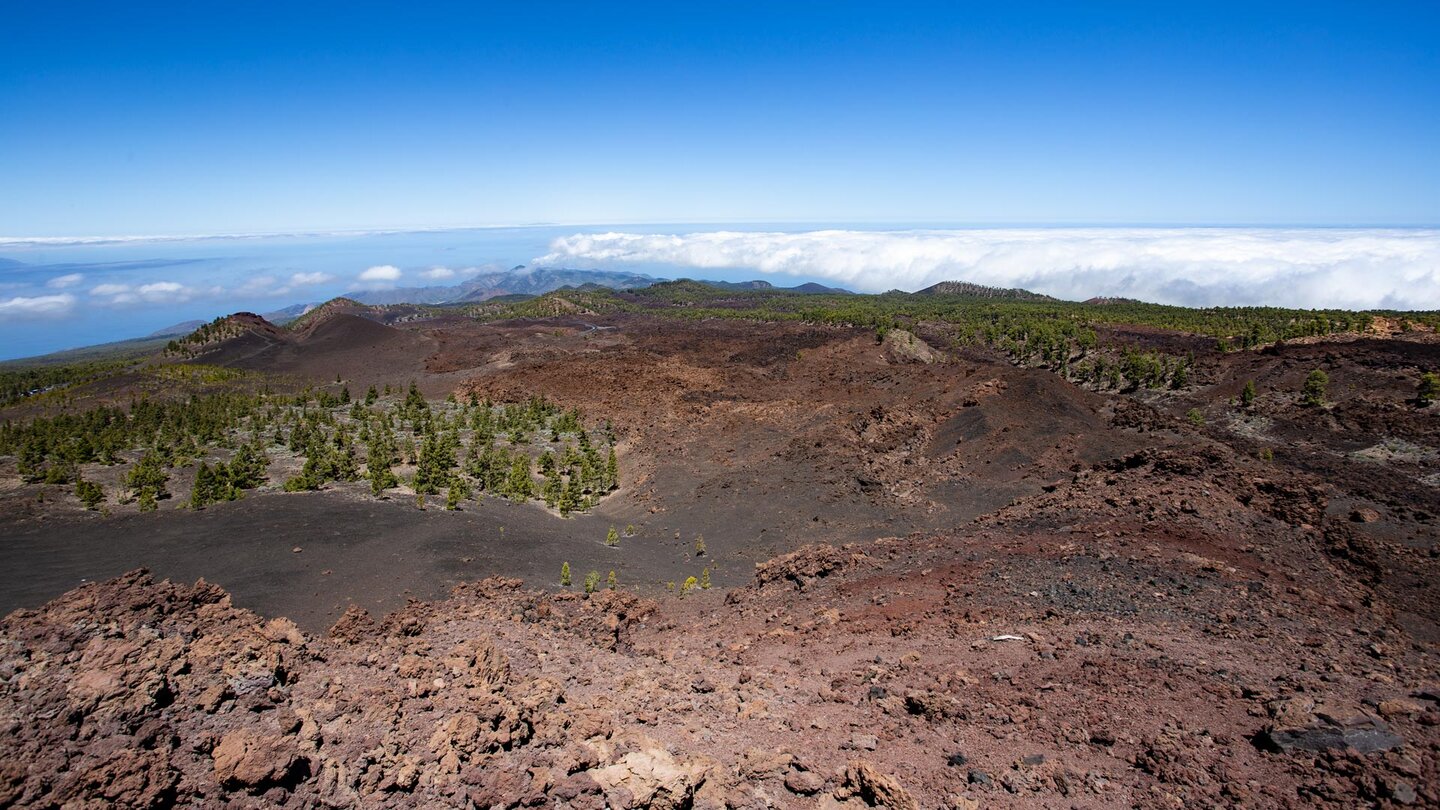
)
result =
(1299, 267)
(109, 289)
(67, 280)
(258, 285)
(158, 292)
(38, 306)
(309, 279)
(439, 273)
(383, 272)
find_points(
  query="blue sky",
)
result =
(131, 118)
(875, 146)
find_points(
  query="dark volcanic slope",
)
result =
(350, 346)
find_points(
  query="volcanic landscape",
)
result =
(849, 567)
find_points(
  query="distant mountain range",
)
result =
(515, 281)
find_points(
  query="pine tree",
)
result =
(592, 581)
(458, 492)
(1247, 395)
(552, 489)
(248, 467)
(201, 491)
(519, 486)
(344, 466)
(705, 579)
(612, 471)
(1312, 394)
(146, 480)
(380, 460)
(612, 537)
(565, 574)
(610, 580)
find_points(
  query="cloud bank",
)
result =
(157, 292)
(1296, 267)
(38, 306)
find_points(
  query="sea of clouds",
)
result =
(1294, 267)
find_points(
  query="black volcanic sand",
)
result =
(378, 553)
(353, 550)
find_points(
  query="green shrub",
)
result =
(565, 575)
(1247, 395)
(1428, 390)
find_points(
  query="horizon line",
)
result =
(76, 240)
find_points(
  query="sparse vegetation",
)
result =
(1247, 394)
(34, 381)
(612, 537)
(334, 437)
(565, 574)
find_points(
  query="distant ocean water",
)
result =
(125, 289)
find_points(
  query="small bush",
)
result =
(1195, 417)
(1428, 390)
(90, 493)
(612, 537)
(592, 581)
(565, 575)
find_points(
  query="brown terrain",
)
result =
(940, 581)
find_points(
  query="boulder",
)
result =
(254, 760)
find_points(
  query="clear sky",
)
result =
(186, 118)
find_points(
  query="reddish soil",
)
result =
(993, 589)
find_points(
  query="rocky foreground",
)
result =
(1169, 630)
